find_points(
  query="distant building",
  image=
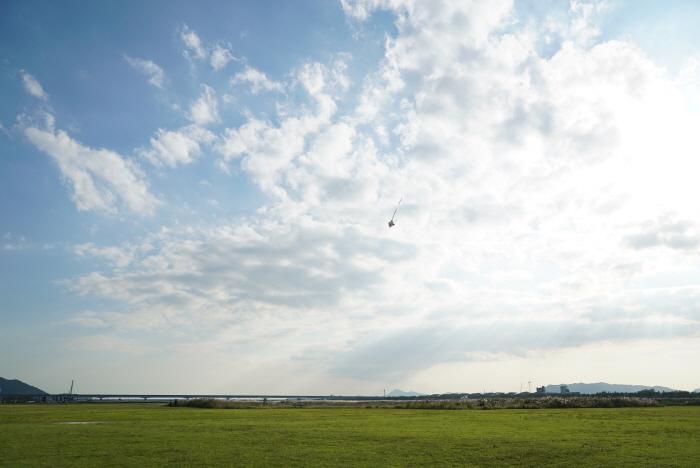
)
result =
(564, 389)
(541, 389)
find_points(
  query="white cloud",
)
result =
(396, 356)
(32, 86)
(361, 9)
(205, 109)
(667, 231)
(528, 181)
(272, 153)
(586, 14)
(13, 242)
(155, 74)
(234, 275)
(195, 49)
(89, 319)
(182, 146)
(98, 178)
(504, 161)
(220, 56)
(258, 80)
(120, 257)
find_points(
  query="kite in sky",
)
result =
(391, 222)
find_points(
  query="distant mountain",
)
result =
(585, 388)
(400, 393)
(697, 390)
(17, 387)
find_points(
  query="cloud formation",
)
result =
(669, 232)
(547, 185)
(219, 55)
(98, 178)
(194, 47)
(257, 79)
(235, 274)
(204, 110)
(183, 146)
(32, 86)
(500, 154)
(156, 75)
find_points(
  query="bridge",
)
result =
(177, 396)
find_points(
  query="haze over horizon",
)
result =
(195, 198)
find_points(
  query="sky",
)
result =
(195, 196)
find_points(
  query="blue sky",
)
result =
(194, 196)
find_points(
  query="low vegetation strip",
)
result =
(462, 404)
(564, 402)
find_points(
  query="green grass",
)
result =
(153, 435)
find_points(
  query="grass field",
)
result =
(153, 435)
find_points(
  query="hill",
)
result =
(593, 388)
(17, 387)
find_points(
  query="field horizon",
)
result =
(19, 387)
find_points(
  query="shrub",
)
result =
(220, 404)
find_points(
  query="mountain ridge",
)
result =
(17, 387)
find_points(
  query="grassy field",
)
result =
(153, 435)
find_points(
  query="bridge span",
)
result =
(177, 396)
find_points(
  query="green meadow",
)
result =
(155, 435)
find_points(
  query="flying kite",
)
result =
(391, 222)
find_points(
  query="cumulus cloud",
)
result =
(219, 55)
(236, 274)
(272, 153)
(98, 178)
(667, 231)
(120, 257)
(516, 234)
(586, 13)
(266, 149)
(361, 9)
(193, 44)
(183, 146)
(205, 109)
(258, 81)
(32, 86)
(504, 155)
(155, 74)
